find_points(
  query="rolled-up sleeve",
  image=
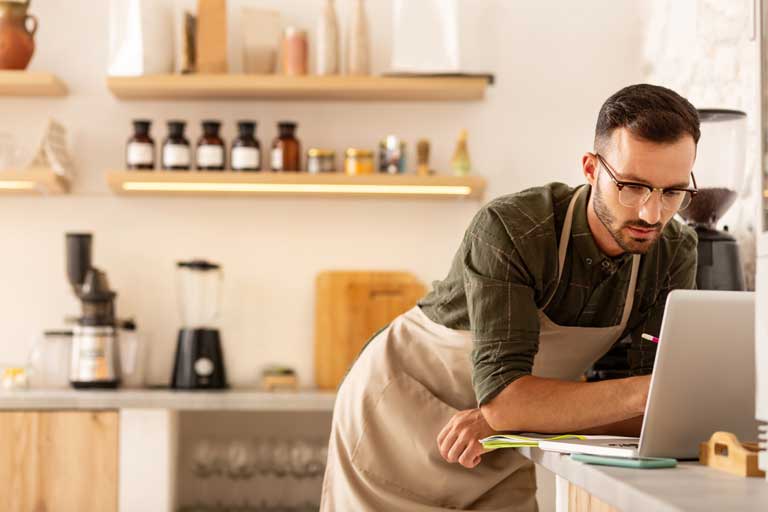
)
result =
(681, 274)
(501, 306)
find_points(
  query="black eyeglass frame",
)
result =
(621, 184)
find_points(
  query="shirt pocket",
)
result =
(398, 450)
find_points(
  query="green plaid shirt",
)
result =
(506, 268)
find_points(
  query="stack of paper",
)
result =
(518, 441)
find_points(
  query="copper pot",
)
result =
(16, 34)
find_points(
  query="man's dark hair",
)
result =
(649, 112)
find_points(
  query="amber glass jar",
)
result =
(140, 149)
(246, 150)
(210, 148)
(176, 155)
(286, 149)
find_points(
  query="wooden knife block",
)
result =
(350, 307)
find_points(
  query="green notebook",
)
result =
(519, 441)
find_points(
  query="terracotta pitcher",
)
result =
(17, 29)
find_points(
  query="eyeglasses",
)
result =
(633, 195)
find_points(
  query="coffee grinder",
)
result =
(95, 358)
(199, 363)
(720, 174)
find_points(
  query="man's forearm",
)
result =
(536, 404)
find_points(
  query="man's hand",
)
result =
(459, 441)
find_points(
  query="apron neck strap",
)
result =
(562, 250)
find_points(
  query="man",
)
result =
(544, 283)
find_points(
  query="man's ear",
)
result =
(589, 167)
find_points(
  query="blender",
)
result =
(720, 174)
(199, 363)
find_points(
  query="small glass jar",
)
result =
(392, 155)
(295, 51)
(358, 161)
(210, 148)
(321, 160)
(177, 155)
(246, 150)
(286, 149)
(140, 149)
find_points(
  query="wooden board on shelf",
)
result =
(30, 83)
(304, 184)
(32, 182)
(280, 87)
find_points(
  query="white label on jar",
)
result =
(140, 153)
(245, 158)
(210, 156)
(277, 159)
(176, 155)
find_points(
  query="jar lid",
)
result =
(320, 152)
(358, 152)
(294, 31)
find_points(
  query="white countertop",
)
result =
(229, 400)
(688, 487)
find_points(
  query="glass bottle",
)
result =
(140, 149)
(210, 148)
(176, 154)
(246, 150)
(286, 149)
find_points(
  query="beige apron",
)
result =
(405, 387)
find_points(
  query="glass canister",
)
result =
(321, 160)
(392, 155)
(49, 360)
(358, 161)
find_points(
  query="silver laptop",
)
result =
(703, 380)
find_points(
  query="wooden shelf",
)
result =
(229, 183)
(28, 83)
(32, 182)
(280, 87)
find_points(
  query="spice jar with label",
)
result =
(358, 161)
(176, 155)
(210, 148)
(286, 149)
(246, 150)
(321, 160)
(140, 150)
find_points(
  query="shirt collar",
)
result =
(584, 246)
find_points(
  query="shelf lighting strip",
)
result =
(159, 186)
(17, 185)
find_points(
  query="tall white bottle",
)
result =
(358, 47)
(328, 41)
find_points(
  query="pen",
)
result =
(650, 338)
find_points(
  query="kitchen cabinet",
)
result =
(58, 460)
(130, 450)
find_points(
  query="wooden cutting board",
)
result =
(350, 307)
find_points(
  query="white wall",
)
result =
(555, 63)
(707, 51)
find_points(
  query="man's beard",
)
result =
(627, 242)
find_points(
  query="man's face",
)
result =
(635, 230)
